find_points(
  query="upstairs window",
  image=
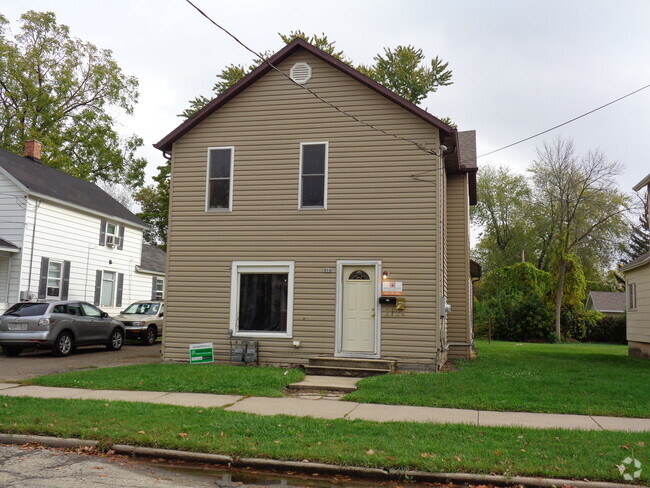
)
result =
(219, 184)
(54, 280)
(313, 175)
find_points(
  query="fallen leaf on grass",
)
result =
(182, 434)
(370, 452)
(141, 432)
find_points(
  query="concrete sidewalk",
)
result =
(331, 409)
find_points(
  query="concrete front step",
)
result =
(354, 365)
(324, 383)
(343, 371)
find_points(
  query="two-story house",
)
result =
(65, 238)
(637, 290)
(321, 215)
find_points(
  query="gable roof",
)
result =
(635, 263)
(153, 259)
(449, 138)
(51, 183)
(607, 301)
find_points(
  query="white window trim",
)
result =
(49, 264)
(207, 180)
(261, 267)
(631, 296)
(101, 289)
(327, 155)
(162, 291)
(116, 235)
(338, 351)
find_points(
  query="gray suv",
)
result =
(143, 320)
(60, 326)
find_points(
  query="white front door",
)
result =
(358, 322)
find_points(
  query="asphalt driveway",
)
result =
(37, 363)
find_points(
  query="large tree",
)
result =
(154, 204)
(66, 93)
(583, 209)
(639, 242)
(502, 211)
(403, 70)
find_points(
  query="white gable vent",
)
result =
(300, 73)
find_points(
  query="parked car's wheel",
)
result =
(63, 345)
(116, 341)
(149, 337)
(11, 352)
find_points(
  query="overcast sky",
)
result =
(519, 67)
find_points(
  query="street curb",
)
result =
(306, 466)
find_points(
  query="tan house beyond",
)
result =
(637, 290)
(316, 234)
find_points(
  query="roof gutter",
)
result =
(140, 269)
(629, 267)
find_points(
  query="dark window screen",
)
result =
(313, 176)
(263, 302)
(219, 178)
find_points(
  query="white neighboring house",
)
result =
(65, 238)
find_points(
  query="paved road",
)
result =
(37, 363)
(28, 467)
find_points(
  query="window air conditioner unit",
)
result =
(110, 240)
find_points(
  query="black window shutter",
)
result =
(98, 286)
(42, 283)
(154, 282)
(102, 233)
(65, 280)
(121, 234)
(120, 287)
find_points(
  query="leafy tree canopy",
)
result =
(403, 70)
(65, 93)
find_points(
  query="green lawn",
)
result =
(198, 378)
(561, 378)
(430, 447)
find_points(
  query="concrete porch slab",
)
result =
(299, 407)
(326, 383)
(403, 413)
(203, 400)
(537, 420)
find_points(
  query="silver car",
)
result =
(143, 320)
(60, 326)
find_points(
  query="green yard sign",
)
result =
(201, 353)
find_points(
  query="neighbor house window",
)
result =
(313, 174)
(160, 288)
(108, 289)
(262, 298)
(219, 184)
(631, 296)
(54, 280)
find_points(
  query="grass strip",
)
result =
(399, 445)
(183, 378)
(588, 379)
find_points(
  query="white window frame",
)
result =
(260, 267)
(631, 296)
(47, 283)
(115, 234)
(325, 184)
(160, 282)
(101, 289)
(207, 180)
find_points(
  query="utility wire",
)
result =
(565, 123)
(257, 55)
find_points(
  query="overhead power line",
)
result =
(565, 123)
(257, 55)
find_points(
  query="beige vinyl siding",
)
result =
(458, 264)
(638, 321)
(376, 211)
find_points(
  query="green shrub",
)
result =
(608, 330)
